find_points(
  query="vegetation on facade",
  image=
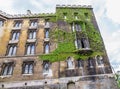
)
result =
(66, 40)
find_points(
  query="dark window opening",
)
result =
(90, 63)
(99, 60)
(86, 15)
(77, 27)
(76, 15)
(46, 66)
(27, 67)
(7, 68)
(65, 15)
(80, 63)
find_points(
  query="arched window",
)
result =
(46, 48)
(80, 63)
(90, 62)
(71, 85)
(99, 60)
(70, 63)
(12, 50)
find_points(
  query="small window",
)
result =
(15, 35)
(70, 63)
(30, 48)
(80, 63)
(32, 34)
(7, 69)
(99, 60)
(81, 43)
(12, 48)
(17, 24)
(46, 66)
(77, 27)
(46, 48)
(27, 67)
(1, 23)
(46, 33)
(71, 85)
(33, 23)
(47, 23)
(90, 62)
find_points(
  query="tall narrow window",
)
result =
(46, 33)
(15, 35)
(18, 24)
(80, 63)
(70, 63)
(46, 67)
(12, 49)
(7, 69)
(32, 34)
(47, 23)
(28, 67)
(77, 27)
(90, 62)
(1, 23)
(47, 48)
(99, 60)
(33, 23)
(30, 48)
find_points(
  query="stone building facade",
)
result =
(61, 50)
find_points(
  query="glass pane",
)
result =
(34, 34)
(17, 36)
(28, 49)
(14, 35)
(1, 23)
(14, 50)
(32, 49)
(30, 68)
(26, 69)
(47, 48)
(30, 35)
(5, 70)
(47, 34)
(10, 70)
(10, 51)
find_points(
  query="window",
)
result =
(46, 66)
(70, 63)
(90, 62)
(46, 33)
(80, 63)
(47, 23)
(81, 43)
(32, 34)
(1, 23)
(15, 35)
(47, 48)
(77, 27)
(27, 67)
(12, 48)
(30, 48)
(18, 24)
(7, 69)
(99, 60)
(33, 23)
(86, 15)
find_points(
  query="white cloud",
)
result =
(113, 10)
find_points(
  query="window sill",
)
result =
(100, 65)
(16, 28)
(5, 76)
(27, 74)
(33, 27)
(13, 41)
(31, 40)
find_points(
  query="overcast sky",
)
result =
(106, 11)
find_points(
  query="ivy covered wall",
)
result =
(66, 39)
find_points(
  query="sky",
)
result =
(106, 12)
